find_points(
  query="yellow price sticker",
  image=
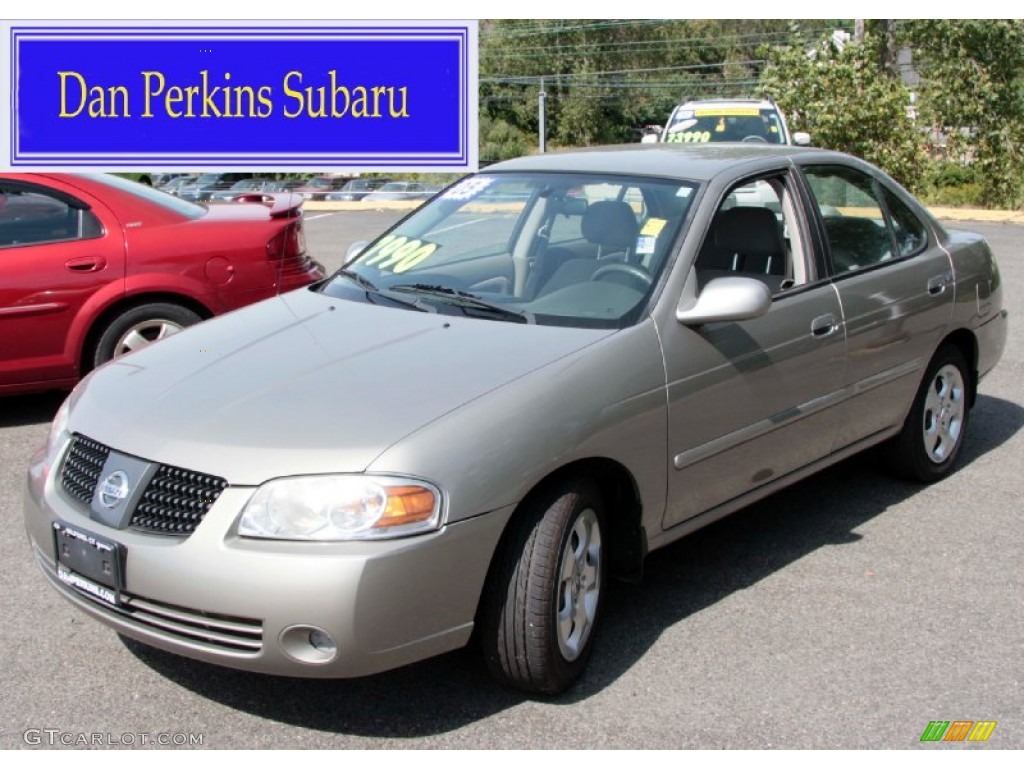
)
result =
(653, 227)
(729, 112)
(398, 254)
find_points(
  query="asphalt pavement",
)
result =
(847, 611)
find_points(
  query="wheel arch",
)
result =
(967, 343)
(103, 319)
(618, 488)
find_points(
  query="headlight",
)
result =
(58, 433)
(341, 508)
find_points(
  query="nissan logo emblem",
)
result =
(114, 489)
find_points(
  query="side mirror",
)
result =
(727, 299)
(802, 139)
(355, 249)
(652, 136)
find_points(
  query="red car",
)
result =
(93, 266)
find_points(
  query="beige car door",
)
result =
(752, 401)
(896, 287)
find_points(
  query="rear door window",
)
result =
(856, 226)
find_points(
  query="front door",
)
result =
(751, 401)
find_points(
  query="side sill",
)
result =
(714, 514)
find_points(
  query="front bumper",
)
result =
(251, 604)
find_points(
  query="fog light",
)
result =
(322, 641)
(308, 644)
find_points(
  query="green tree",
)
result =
(972, 93)
(846, 102)
(500, 140)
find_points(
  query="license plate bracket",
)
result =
(91, 564)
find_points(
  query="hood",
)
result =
(304, 384)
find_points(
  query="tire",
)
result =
(933, 434)
(140, 326)
(543, 601)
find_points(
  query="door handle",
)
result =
(86, 264)
(823, 326)
(937, 285)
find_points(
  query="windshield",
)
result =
(556, 249)
(705, 124)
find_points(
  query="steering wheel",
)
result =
(760, 139)
(629, 269)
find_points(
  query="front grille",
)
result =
(176, 501)
(211, 631)
(82, 468)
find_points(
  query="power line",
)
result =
(505, 32)
(625, 88)
(652, 45)
(639, 70)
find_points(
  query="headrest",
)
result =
(750, 231)
(610, 224)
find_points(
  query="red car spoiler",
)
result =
(282, 205)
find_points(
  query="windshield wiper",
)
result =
(465, 300)
(355, 277)
(372, 290)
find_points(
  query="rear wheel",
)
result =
(543, 601)
(140, 326)
(933, 434)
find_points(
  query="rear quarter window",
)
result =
(909, 231)
(157, 197)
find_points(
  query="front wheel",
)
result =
(933, 433)
(544, 596)
(140, 326)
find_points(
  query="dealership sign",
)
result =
(346, 95)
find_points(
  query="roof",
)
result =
(697, 162)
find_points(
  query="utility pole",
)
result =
(858, 30)
(541, 98)
(890, 53)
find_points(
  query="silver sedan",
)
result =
(551, 369)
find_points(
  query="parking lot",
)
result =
(847, 611)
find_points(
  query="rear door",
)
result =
(896, 287)
(56, 251)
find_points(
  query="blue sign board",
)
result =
(388, 96)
